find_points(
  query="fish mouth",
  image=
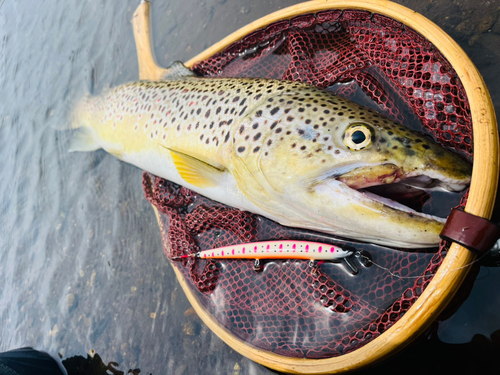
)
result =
(387, 183)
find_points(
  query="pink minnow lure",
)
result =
(274, 250)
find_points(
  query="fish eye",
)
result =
(357, 137)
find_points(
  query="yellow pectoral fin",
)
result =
(196, 172)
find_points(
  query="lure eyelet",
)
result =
(357, 137)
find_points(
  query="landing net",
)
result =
(287, 308)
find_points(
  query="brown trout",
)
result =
(288, 151)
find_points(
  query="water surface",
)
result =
(81, 264)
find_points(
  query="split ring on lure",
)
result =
(273, 250)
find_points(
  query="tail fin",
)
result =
(83, 138)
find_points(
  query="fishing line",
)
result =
(398, 276)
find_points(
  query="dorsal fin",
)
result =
(177, 69)
(195, 171)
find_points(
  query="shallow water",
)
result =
(81, 265)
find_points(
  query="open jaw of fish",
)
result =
(360, 178)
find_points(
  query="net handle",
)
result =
(481, 199)
(148, 67)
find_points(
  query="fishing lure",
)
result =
(312, 251)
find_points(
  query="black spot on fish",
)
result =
(241, 149)
(243, 111)
(243, 101)
(217, 111)
(336, 151)
(294, 144)
(235, 99)
(302, 109)
(273, 125)
(287, 110)
(278, 130)
(201, 137)
(395, 147)
(222, 123)
(257, 136)
(270, 142)
(308, 121)
(290, 118)
(426, 147)
(256, 149)
(257, 97)
(242, 129)
(207, 114)
(303, 148)
(258, 113)
(230, 122)
(227, 137)
(274, 110)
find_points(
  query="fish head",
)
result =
(317, 156)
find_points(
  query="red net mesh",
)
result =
(289, 308)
